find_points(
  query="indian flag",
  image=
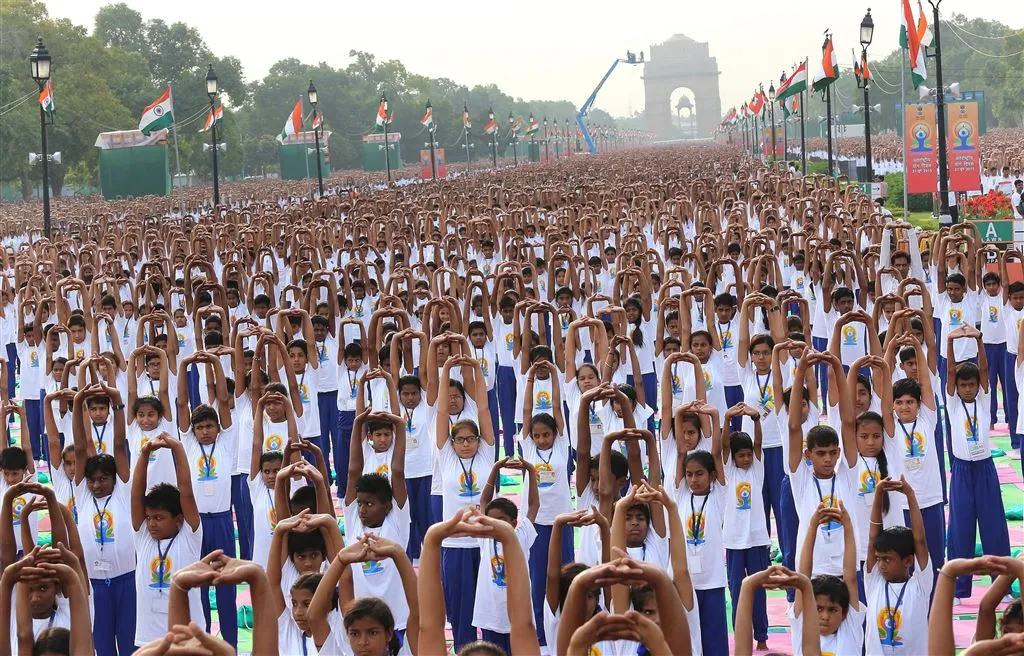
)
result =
(791, 106)
(795, 84)
(924, 35)
(491, 127)
(382, 116)
(757, 103)
(466, 123)
(215, 117)
(918, 72)
(829, 72)
(318, 120)
(293, 125)
(428, 118)
(46, 97)
(158, 115)
(533, 127)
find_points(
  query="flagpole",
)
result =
(387, 147)
(828, 119)
(903, 108)
(174, 131)
(803, 110)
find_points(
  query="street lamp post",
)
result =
(945, 218)
(387, 145)
(771, 99)
(313, 97)
(512, 129)
(211, 91)
(545, 138)
(494, 137)
(39, 64)
(430, 130)
(867, 31)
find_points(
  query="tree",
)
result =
(120, 26)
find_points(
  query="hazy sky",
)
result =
(550, 50)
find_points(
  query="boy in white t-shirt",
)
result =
(168, 536)
(897, 600)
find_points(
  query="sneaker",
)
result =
(1013, 454)
(957, 601)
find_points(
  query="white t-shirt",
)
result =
(264, 519)
(956, 315)
(758, 393)
(702, 521)
(60, 617)
(552, 467)
(105, 529)
(380, 578)
(993, 328)
(969, 426)
(808, 493)
(728, 333)
(897, 626)
(291, 640)
(327, 370)
(31, 358)
(1012, 320)
(490, 611)
(848, 639)
(161, 462)
(461, 483)
(419, 424)
(211, 470)
(17, 505)
(348, 387)
(158, 560)
(744, 506)
(920, 458)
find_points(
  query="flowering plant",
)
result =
(993, 205)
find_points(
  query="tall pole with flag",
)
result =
(428, 122)
(867, 31)
(492, 129)
(314, 97)
(945, 217)
(382, 119)
(910, 39)
(828, 74)
(39, 62)
(465, 132)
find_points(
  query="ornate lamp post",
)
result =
(211, 91)
(313, 98)
(867, 31)
(39, 64)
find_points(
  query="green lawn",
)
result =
(923, 220)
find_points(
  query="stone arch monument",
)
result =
(681, 62)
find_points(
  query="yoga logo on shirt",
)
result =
(595, 421)
(545, 475)
(726, 336)
(72, 507)
(743, 496)
(677, 385)
(867, 483)
(849, 335)
(181, 340)
(483, 366)
(272, 516)
(17, 506)
(969, 431)
(828, 501)
(383, 470)
(509, 339)
(273, 442)
(467, 485)
(33, 357)
(103, 524)
(207, 468)
(956, 317)
(303, 393)
(707, 380)
(498, 571)
(889, 622)
(695, 530)
(543, 400)
(914, 444)
(156, 581)
(142, 445)
(993, 314)
(371, 567)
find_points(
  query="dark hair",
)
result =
(636, 335)
(353, 350)
(758, 340)
(301, 542)
(907, 387)
(308, 582)
(1015, 288)
(98, 402)
(898, 539)
(702, 458)
(640, 595)
(304, 497)
(701, 333)
(739, 441)
(376, 484)
(566, 575)
(967, 371)
(991, 276)
(13, 458)
(377, 610)
(481, 648)
(504, 505)
(409, 380)
(152, 401)
(1013, 613)
(271, 456)
(956, 279)
(619, 464)
(630, 392)
(834, 588)
(842, 293)
(906, 355)
(57, 640)
(725, 299)
(544, 419)
(103, 463)
(823, 436)
(865, 381)
(204, 412)
(163, 496)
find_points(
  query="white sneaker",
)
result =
(957, 601)
(1013, 454)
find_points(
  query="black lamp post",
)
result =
(512, 129)
(867, 31)
(211, 91)
(494, 137)
(945, 218)
(313, 97)
(430, 130)
(771, 99)
(545, 138)
(39, 64)
(387, 145)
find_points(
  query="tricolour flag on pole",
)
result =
(829, 72)
(318, 120)
(757, 103)
(215, 117)
(924, 35)
(428, 118)
(533, 127)
(382, 116)
(466, 123)
(293, 125)
(158, 115)
(791, 105)
(794, 85)
(491, 127)
(918, 72)
(46, 97)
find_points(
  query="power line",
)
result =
(1013, 33)
(17, 100)
(16, 105)
(984, 54)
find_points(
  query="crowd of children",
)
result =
(506, 416)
